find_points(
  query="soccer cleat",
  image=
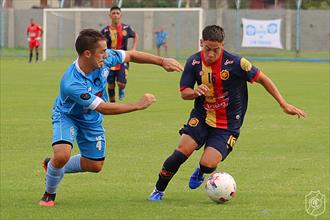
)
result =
(121, 94)
(45, 164)
(196, 179)
(48, 199)
(156, 195)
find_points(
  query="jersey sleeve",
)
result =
(250, 72)
(79, 94)
(130, 31)
(188, 77)
(114, 57)
(103, 31)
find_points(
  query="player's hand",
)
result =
(171, 65)
(38, 38)
(201, 90)
(292, 110)
(145, 101)
(28, 39)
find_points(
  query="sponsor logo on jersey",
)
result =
(194, 62)
(224, 75)
(227, 62)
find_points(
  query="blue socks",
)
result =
(53, 178)
(73, 165)
(55, 175)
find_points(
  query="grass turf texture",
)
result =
(277, 160)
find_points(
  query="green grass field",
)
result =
(277, 160)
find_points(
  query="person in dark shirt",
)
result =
(117, 35)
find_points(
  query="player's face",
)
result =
(97, 57)
(211, 50)
(115, 16)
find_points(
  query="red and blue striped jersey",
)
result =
(225, 104)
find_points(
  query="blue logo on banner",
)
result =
(272, 28)
(251, 30)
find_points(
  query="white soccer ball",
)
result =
(220, 187)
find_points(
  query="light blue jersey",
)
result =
(74, 114)
(161, 37)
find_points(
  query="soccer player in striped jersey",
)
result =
(221, 99)
(117, 35)
(78, 111)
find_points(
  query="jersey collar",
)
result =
(78, 68)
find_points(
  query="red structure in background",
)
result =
(260, 4)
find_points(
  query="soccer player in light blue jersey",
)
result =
(161, 40)
(78, 110)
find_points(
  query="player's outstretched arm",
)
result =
(268, 84)
(144, 102)
(168, 64)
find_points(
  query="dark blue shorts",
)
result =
(119, 75)
(220, 139)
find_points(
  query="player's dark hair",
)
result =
(87, 40)
(114, 8)
(213, 33)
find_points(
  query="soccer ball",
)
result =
(220, 187)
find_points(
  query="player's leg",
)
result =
(218, 146)
(111, 86)
(158, 49)
(64, 132)
(30, 51)
(193, 137)
(122, 80)
(37, 53)
(165, 47)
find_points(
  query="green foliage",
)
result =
(277, 160)
(315, 4)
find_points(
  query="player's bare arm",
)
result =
(190, 94)
(135, 41)
(168, 64)
(118, 108)
(271, 88)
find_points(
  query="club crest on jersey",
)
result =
(85, 96)
(224, 75)
(193, 122)
(124, 33)
(105, 73)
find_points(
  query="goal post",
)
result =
(62, 25)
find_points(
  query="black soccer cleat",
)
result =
(48, 199)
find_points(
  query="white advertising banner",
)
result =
(262, 33)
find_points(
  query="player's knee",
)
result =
(121, 85)
(206, 169)
(96, 168)
(60, 159)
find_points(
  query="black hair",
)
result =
(87, 40)
(115, 8)
(213, 33)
